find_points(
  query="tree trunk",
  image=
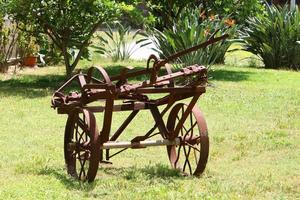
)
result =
(69, 67)
(69, 71)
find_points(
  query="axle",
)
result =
(142, 144)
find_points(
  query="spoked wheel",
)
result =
(82, 151)
(191, 155)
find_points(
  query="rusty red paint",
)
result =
(83, 141)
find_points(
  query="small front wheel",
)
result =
(191, 155)
(81, 145)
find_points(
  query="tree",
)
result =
(70, 24)
(168, 11)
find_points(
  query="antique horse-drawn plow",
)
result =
(184, 134)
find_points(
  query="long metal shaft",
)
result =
(142, 144)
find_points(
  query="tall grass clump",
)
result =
(192, 29)
(273, 37)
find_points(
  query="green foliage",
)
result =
(52, 54)
(70, 24)
(133, 14)
(119, 45)
(27, 44)
(239, 10)
(165, 12)
(189, 31)
(274, 37)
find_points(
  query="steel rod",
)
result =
(142, 144)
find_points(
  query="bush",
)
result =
(191, 30)
(239, 10)
(274, 37)
(119, 45)
(165, 11)
(51, 53)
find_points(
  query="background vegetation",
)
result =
(273, 37)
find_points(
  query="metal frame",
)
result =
(110, 90)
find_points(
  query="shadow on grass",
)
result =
(159, 172)
(69, 182)
(31, 86)
(34, 86)
(229, 75)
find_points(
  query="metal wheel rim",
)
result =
(182, 153)
(81, 146)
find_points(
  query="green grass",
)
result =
(254, 128)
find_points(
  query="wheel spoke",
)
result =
(81, 138)
(184, 150)
(191, 129)
(76, 131)
(82, 164)
(196, 159)
(187, 154)
(181, 132)
(190, 167)
(184, 127)
(193, 147)
(178, 155)
(192, 125)
(82, 125)
(190, 139)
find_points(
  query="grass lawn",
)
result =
(254, 127)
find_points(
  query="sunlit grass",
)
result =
(254, 127)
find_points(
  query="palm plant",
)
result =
(272, 37)
(119, 44)
(189, 31)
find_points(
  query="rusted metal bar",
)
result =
(124, 125)
(141, 144)
(107, 120)
(177, 90)
(159, 121)
(186, 113)
(189, 71)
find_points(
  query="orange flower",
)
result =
(212, 17)
(206, 32)
(230, 22)
(202, 14)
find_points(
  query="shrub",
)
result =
(51, 53)
(164, 11)
(191, 30)
(239, 10)
(119, 45)
(273, 37)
